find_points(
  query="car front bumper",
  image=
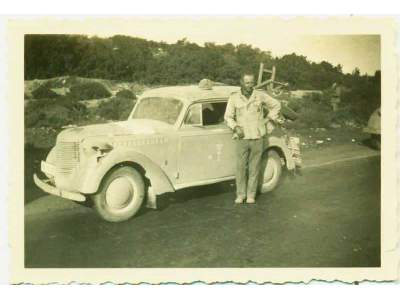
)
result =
(46, 186)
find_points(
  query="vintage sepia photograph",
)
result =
(204, 144)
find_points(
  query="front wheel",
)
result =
(120, 195)
(271, 171)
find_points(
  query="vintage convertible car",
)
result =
(175, 137)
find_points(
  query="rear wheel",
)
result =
(271, 171)
(120, 195)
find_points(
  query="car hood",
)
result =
(130, 127)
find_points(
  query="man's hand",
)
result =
(280, 120)
(238, 132)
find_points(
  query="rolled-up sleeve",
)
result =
(230, 114)
(273, 106)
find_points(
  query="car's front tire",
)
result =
(120, 195)
(271, 171)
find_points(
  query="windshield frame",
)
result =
(146, 97)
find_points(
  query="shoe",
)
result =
(239, 200)
(251, 200)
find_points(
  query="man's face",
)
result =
(248, 83)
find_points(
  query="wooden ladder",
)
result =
(269, 82)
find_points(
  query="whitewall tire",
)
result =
(120, 195)
(271, 171)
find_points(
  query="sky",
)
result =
(351, 51)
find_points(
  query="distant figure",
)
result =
(245, 116)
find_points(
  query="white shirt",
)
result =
(248, 113)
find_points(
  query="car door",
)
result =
(206, 149)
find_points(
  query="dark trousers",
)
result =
(248, 164)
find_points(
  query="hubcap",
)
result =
(119, 193)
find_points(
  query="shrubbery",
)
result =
(125, 93)
(115, 109)
(316, 112)
(312, 115)
(138, 60)
(361, 102)
(44, 92)
(54, 113)
(158, 63)
(88, 90)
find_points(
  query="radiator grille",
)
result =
(67, 156)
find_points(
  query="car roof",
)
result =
(191, 93)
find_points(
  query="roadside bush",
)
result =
(344, 115)
(78, 112)
(115, 109)
(45, 113)
(35, 111)
(32, 117)
(44, 92)
(320, 115)
(42, 137)
(311, 115)
(88, 90)
(316, 98)
(69, 102)
(54, 113)
(361, 102)
(125, 93)
(296, 104)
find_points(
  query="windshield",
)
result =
(158, 108)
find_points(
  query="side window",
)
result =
(193, 116)
(213, 113)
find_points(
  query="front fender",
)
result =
(280, 143)
(94, 175)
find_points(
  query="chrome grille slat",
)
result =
(67, 156)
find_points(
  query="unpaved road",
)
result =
(327, 216)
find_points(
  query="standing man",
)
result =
(244, 115)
